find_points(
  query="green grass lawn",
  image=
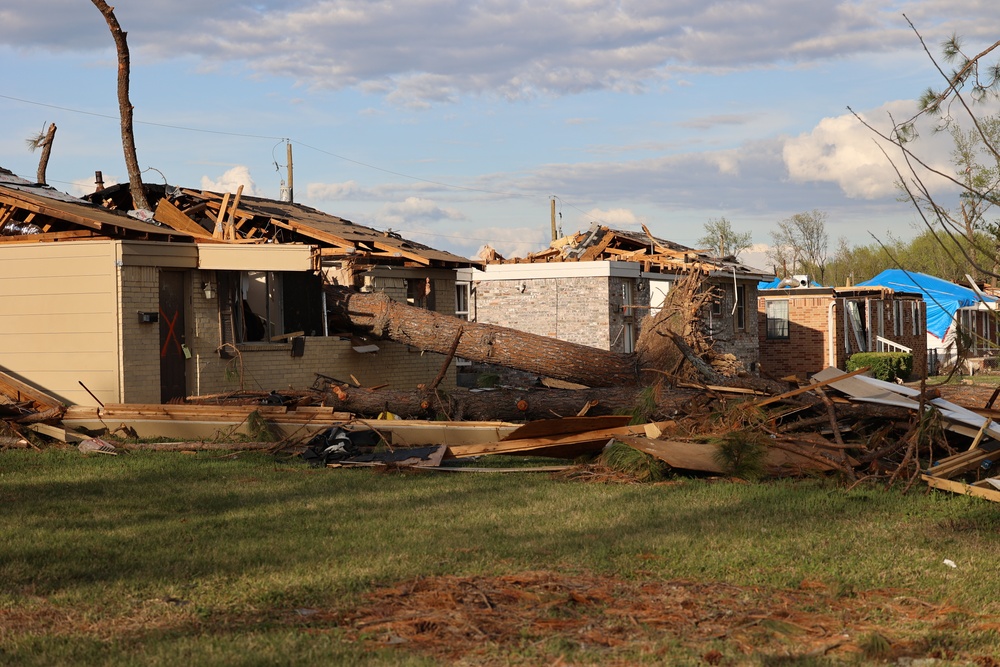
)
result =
(170, 558)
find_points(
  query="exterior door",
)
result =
(173, 380)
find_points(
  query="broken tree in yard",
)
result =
(378, 315)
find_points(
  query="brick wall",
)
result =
(270, 366)
(806, 350)
(590, 310)
(727, 335)
(139, 290)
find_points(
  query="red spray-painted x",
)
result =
(171, 334)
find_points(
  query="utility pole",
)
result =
(553, 215)
(291, 196)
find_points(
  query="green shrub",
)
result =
(884, 365)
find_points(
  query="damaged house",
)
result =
(216, 293)
(596, 287)
(961, 321)
(806, 329)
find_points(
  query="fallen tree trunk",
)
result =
(495, 405)
(377, 315)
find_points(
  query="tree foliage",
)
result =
(799, 244)
(962, 227)
(724, 241)
(925, 253)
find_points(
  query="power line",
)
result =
(302, 144)
(140, 122)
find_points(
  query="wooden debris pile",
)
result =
(654, 254)
(846, 424)
(842, 423)
(233, 217)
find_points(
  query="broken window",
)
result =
(420, 293)
(857, 328)
(258, 306)
(776, 314)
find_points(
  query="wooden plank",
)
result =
(959, 463)
(962, 488)
(61, 434)
(285, 336)
(499, 470)
(228, 229)
(582, 441)
(810, 387)
(174, 218)
(217, 234)
(53, 236)
(567, 425)
(678, 454)
(780, 457)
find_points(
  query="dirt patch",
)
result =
(551, 618)
(969, 395)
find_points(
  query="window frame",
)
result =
(773, 332)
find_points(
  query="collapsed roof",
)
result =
(601, 243)
(31, 212)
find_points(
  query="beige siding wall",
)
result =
(58, 317)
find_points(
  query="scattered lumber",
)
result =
(565, 445)
(34, 398)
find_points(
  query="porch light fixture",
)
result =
(209, 290)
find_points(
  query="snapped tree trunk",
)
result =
(125, 107)
(46, 144)
(377, 315)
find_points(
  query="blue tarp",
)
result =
(942, 297)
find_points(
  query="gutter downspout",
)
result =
(831, 326)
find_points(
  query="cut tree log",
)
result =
(504, 404)
(378, 315)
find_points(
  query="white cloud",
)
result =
(512, 242)
(430, 52)
(334, 191)
(416, 208)
(615, 217)
(231, 180)
(842, 150)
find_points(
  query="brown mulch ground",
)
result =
(552, 618)
(969, 395)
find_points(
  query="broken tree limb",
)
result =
(447, 361)
(378, 315)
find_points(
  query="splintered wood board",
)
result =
(553, 427)
(413, 432)
(962, 488)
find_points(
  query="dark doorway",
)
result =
(173, 380)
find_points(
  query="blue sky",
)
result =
(454, 123)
